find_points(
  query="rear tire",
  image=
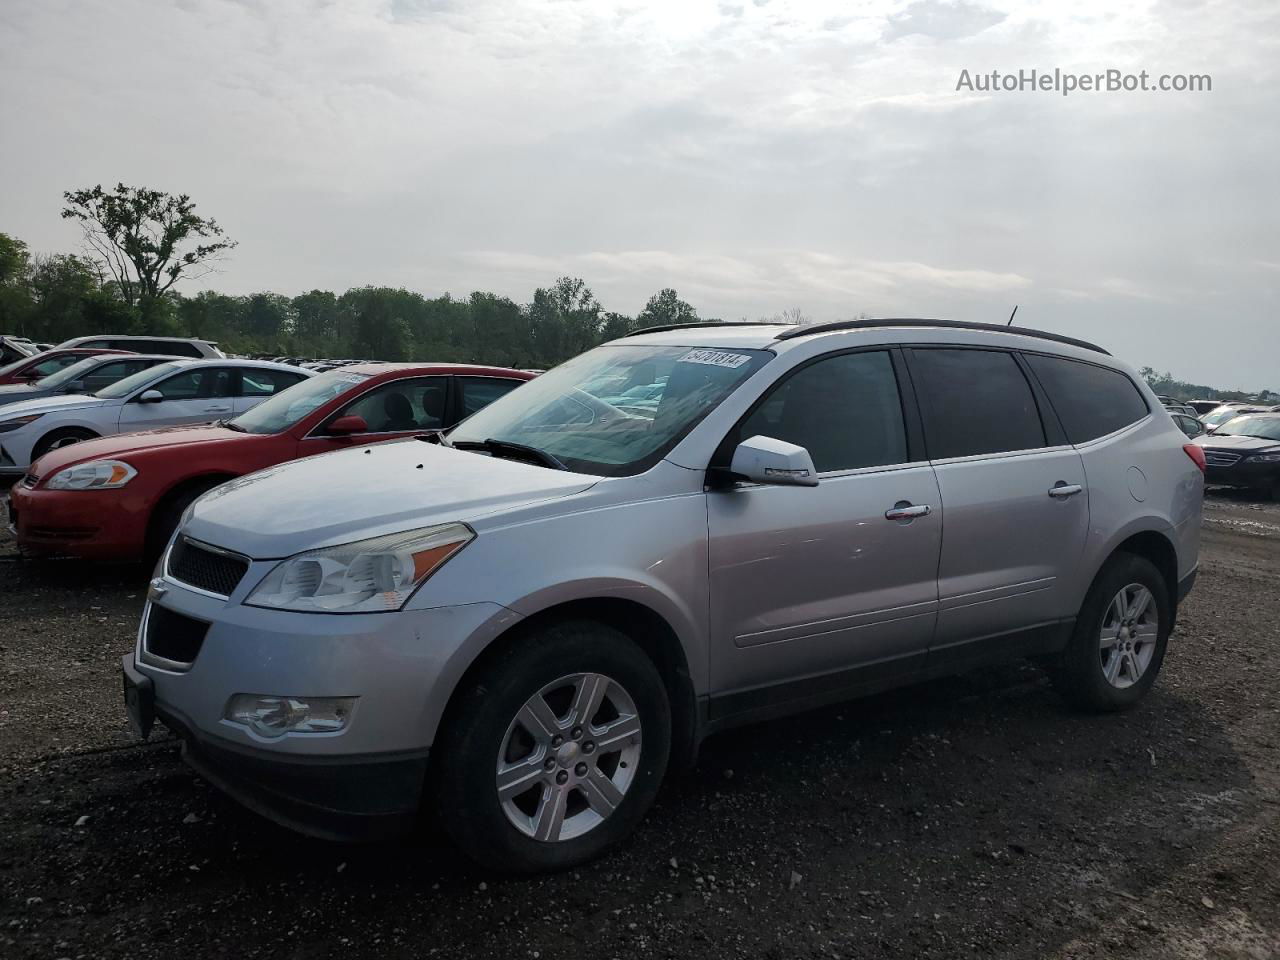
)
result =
(565, 733)
(60, 438)
(1119, 639)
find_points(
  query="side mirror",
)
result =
(348, 425)
(775, 462)
(150, 396)
(75, 386)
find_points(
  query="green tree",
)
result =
(666, 307)
(15, 291)
(147, 240)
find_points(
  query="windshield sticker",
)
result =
(715, 358)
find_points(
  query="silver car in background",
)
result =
(525, 625)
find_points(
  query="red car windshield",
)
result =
(284, 409)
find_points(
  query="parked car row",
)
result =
(120, 497)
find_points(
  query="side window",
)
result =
(53, 365)
(200, 384)
(1091, 401)
(844, 410)
(974, 402)
(416, 404)
(263, 383)
(109, 373)
(479, 392)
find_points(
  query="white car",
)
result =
(178, 392)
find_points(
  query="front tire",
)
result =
(60, 438)
(554, 751)
(1120, 637)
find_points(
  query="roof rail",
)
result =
(804, 331)
(661, 328)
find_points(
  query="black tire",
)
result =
(60, 438)
(169, 512)
(1080, 677)
(466, 753)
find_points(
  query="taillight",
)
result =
(1196, 453)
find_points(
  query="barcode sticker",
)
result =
(715, 358)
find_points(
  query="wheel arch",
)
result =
(649, 629)
(209, 478)
(1151, 544)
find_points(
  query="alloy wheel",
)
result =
(569, 757)
(1127, 638)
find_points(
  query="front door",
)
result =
(826, 590)
(198, 395)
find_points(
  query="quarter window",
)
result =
(975, 402)
(1091, 401)
(845, 410)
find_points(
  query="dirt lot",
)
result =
(972, 817)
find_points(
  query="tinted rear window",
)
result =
(1091, 401)
(975, 402)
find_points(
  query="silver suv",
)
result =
(524, 625)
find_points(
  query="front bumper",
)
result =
(87, 524)
(333, 798)
(1243, 474)
(364, 781)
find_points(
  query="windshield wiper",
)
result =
(519, 450)
(231, 426)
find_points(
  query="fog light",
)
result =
(269, 716)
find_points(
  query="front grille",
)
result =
(172, 636)
(205, 569)
(1217, 458)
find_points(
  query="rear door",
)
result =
(476, 393)
(821, 590)
(194, 395)
(1015, 499)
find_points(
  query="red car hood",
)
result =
(120, 446)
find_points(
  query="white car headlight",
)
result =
(94, 475)
(8, 426)
(368, 576)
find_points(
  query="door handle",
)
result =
(1061, 490)
(217, 409)
(904, 510)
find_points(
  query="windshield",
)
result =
(284, 409)
(68, 374)
(125, 386)
(1221, 415)
(615, 410)
(1266, 427)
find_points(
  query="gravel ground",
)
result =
(971, 817)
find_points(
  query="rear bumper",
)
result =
(346, 798)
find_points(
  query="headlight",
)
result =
(1265, 457)
(368, 576)
(94, 475)
(18, 422)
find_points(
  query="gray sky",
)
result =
(755, 155)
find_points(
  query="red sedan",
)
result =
(30, 369)
(120, 497)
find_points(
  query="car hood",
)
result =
(1235, 444)
(366, 492)
(59, 403)
(126, 445)
(16, 392)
